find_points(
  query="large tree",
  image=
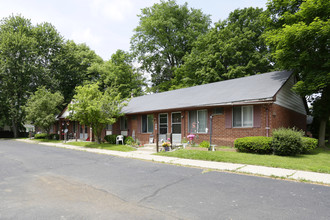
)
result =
(233, 48)
(26, 52)
(166, 32)
(299, 35)
(119, 72)
(42, 108)
(94, 108)
(70, 68)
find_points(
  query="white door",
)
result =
(83, 135)
(163, 126)
(176, 127)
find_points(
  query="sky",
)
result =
(106, 25)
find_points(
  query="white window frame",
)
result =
(147, 125)
(242, 116)
(197, 121)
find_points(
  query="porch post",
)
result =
(61, 129)
(90, 134)
(77, 130)
(156, 130)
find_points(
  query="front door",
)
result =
(83, 132)
(163, 126)
(176, 127)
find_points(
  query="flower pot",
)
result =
(167, 148)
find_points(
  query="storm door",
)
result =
(163, 126)
(176, 127)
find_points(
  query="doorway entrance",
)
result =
(176, 127)
(163, 126)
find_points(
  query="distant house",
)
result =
(248, 106)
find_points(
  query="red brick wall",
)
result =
(283, 117)
(226, 136)
(134, 123)
(277, 117)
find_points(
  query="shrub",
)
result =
(41, 136)
(258, 144)
(184, 140)
(54, 137)
(128, 140)
(287, 142)
(204, 144)
(308, 144)
(138, 142)
(111, 139)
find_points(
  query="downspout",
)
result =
(211, 117)
(184, 124)
(267, 122)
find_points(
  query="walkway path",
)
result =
(146, 154)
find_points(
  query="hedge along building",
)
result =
(248, 106)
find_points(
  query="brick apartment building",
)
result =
(247, 106)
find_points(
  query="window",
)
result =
(147, 123)
(197, 121)
(218, 111)
(243, 116)
(123, 124)
(108, 127)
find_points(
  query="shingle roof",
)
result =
(246, 89)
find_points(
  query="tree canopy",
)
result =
(299, 35)
(166, 32)
(233, 48)
(42, 107)
(26, 52)
(94, 108)
(70, 68)
(119, 72)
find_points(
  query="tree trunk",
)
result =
(98, 132)
(98, 140)
(15, 128)
(323, 123)
(97, 137)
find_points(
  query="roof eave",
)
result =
(241, 102)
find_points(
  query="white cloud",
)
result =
(113, 10)
(86, 35)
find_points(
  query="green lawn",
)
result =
(317, 161)
(115, 147)
(48, 140)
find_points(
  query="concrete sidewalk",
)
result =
(145, 154)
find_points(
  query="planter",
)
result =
(167, 148)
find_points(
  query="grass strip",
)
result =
(123, 148)
(315, 161)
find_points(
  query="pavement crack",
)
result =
(240, 167)
(160, 189)
(288, 176)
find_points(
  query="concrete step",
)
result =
(150, 145)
